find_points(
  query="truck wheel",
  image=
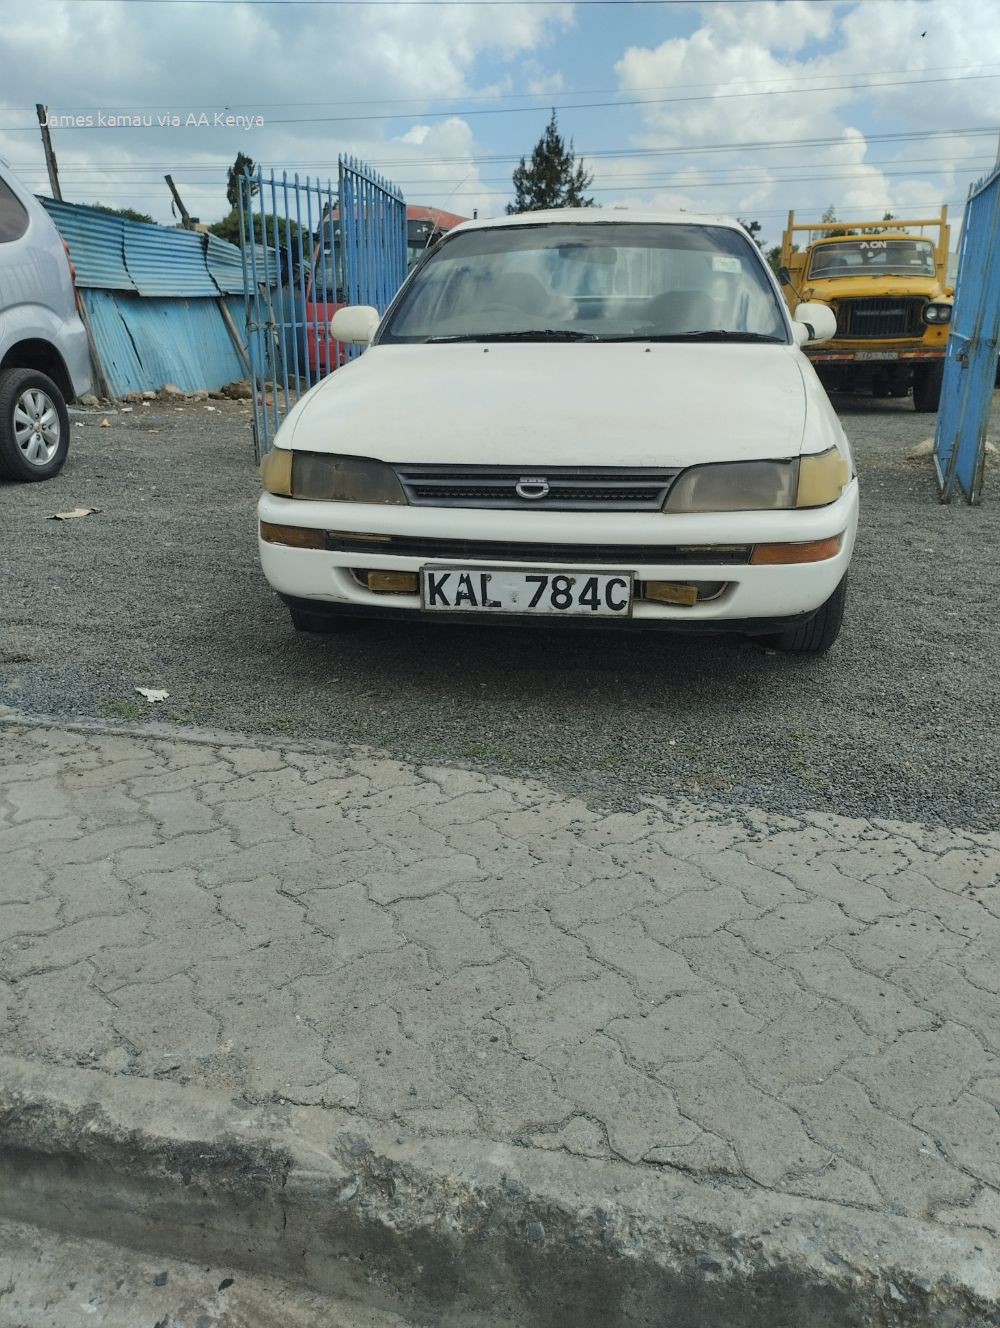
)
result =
(816, 636)
(927, 388)
(34, 426)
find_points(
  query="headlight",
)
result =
(329, 478)
(758, 486)
(742, 486)
(937, 313)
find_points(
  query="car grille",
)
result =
(876, 318)
(514, 551)
(570, 488)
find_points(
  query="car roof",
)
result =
(597, 217)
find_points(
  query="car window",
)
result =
(869, 254)
(13, 215)
(609, 279)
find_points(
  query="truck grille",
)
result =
(875, 318)
(562, 488)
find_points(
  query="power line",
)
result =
(688, 186)
(411, 4)
(638, 101)
(467, 112)
(728, 172)
(807, 82)
(596, 154)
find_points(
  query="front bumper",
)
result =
(864, 353)
(765, 596)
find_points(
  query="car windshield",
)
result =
(616, 281)
(874, 256)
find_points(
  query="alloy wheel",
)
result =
(36, 426)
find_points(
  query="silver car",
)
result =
(44, 360)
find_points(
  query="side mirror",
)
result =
(355, 322)
(784, 276)
(814, 322)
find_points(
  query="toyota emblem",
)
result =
(532, 486)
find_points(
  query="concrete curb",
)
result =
(457, 1231)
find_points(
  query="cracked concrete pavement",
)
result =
(804, 1006)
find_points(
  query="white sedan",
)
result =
(572, 416)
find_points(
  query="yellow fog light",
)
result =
(393, 583)
(805, 551)
(670, 592)
(822, 478)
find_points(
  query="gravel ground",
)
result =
(161, 588)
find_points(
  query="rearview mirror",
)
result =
(589, 253)
(784, 276)
(814, 322)
(355, 322)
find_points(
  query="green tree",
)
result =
(128, 213)
(879, 230)
(830, 215)
(233, 177)
(553, 178)
(753, 229)
(229, 229)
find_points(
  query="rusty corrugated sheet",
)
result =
(164, 261)
(112, 253)
(96, 245)
(145, 342)
(224, 264)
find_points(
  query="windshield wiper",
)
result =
(539, 334)
(718, 334)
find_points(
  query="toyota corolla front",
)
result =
(571, 417)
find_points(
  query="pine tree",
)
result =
(233, 177)
(553, 178)
(753, 229)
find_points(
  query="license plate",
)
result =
(499, 590)
(876, 355)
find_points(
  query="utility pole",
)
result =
(50, 157)
(186, 220)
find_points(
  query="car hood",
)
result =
(871, 287)
(634, 404)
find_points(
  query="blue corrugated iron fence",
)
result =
(153, 295)
(307, 250)
(971, 363)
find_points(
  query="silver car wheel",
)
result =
(36, 426)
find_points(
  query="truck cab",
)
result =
(887, 284)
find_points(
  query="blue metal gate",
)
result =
(971, 364)
(307, 250)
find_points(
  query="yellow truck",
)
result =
(886, 281)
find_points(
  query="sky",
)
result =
(745, 107)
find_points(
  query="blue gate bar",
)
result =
(971, 361)
(307, 248)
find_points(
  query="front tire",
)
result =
(816, 636)
(34, 426)
(927, 388)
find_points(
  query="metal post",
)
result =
(50, 157)
(186, 221)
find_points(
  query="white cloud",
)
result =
(257, 59)
(739, 50)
